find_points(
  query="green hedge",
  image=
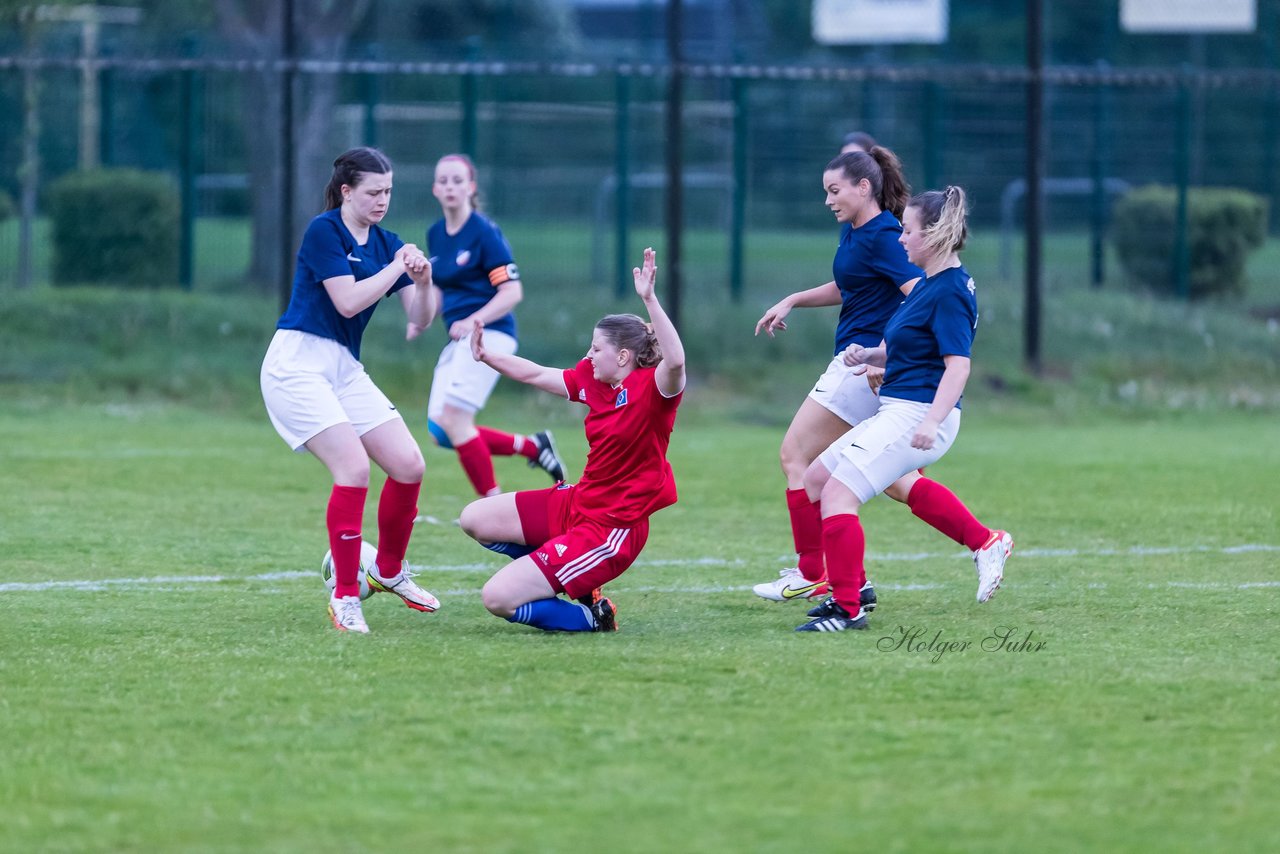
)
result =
(1223, 226)
(115, 226)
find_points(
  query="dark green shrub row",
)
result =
(1223, 226)
(116, 226)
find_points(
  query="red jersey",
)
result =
(627, 477)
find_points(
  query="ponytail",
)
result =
(943, 219)
(881, 169)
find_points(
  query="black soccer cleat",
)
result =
(838, 621)
(866, 600)
(548, 459)
(605, 612)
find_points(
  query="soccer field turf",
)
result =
(169, 680)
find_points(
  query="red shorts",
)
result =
(576, 555)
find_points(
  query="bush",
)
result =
(1223, 226)
(115, 226)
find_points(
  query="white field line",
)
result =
(1021, 554)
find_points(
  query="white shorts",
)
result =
(845, 394)
(311, 383)
(875, 453)
(459, 380)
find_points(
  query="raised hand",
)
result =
(646, 275)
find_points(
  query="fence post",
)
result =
(932, 134)
(1035, 182)
(739, 203)
(1182, 159)
(1098, 210)
(189, 92)
(106, 115)
(369, 90)
(622, 191)
(470, 96)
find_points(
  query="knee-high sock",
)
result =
(397, 508)
(343, 519)
(940, 507)
(845, 546)
(511, 550)
(507, 444)
(806, 532)
(554, 615)
(478, 465)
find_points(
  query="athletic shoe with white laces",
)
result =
(548, 458)
(789, 585)
(989, 561)
(402, 585)
(838, 621)
(866, 601)
(346, 614)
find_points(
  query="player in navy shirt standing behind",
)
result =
(476, 279)
(926, 357)
(573, 539)
(317, 393)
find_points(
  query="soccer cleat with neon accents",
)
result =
(402, 585)
(346, 614)
(989, 562)
(602, 609)
(790, 584)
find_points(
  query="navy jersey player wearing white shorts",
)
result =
(318, 395)
(926, 358)
(475, 279)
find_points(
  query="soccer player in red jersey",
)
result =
(574, 538)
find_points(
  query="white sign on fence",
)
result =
(1189, 16)
(879, 21)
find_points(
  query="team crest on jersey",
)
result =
(621, 399)
(972, 287)
(463, 257)
(582, 395)
(560, 549)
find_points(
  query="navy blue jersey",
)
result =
(469, 266)
(328, 251)
(870, 268)
(938, 318)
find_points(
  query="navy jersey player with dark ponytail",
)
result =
(475, 279)
(317, 393)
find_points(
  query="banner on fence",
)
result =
(1189, 16)
(879, 21)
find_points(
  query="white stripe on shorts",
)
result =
(584, 563)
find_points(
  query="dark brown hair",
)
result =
(350, 169)
(630, 332)
(882, 170)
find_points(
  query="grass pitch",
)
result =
(169, 680)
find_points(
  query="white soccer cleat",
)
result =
(346, 614)
(789, 585)
(989, 561)
(402, 585)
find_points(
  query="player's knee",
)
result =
(495, 602)
(470, 520)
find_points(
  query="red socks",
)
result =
(478, 465)
(397, 508)
(806, 532)
(940, 507)
(845, 546)
(343, 518)
(506, 444)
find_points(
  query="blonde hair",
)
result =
(943, 219)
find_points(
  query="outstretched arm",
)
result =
(669, 375)
(550, 380)
(775, 318)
